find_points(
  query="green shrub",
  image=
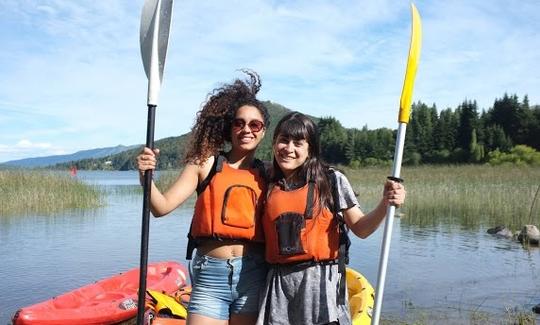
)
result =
(519, 155)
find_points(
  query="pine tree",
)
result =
(446, 130)
(468, 121)
(476, 151)
(350, 147)
(333, 140)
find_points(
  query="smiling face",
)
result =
(290, 154)
(296, 147)
(247, 129)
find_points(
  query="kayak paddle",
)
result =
(154, 39)
(403, 119)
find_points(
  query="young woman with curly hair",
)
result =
(228, 268)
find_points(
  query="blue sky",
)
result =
(71, 76)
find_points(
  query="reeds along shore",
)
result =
(25, 192)
(470, 195)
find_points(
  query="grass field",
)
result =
(24, 192)
(470, 195)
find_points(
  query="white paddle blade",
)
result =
(156, 20)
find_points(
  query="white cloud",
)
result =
(24, 147)
(27, 144)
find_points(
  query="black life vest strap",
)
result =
(217, 167)
(297, 266)
(308, 213)
(344, 241)
(191, 245)
(259, 165)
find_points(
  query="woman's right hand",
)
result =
(147, 159)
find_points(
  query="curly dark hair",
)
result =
(212, 128)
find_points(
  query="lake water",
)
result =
(439, 274)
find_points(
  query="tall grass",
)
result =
(23, 192)
(470, 195)
(166, 179)
(413, 315)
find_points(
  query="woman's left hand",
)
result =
(394, 193)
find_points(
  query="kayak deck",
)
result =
(107, 301)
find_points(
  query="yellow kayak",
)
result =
(361, 297)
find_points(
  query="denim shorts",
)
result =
(222, 287)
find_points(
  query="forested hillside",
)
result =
(507, 132)
(461, 135)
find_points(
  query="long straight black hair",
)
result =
(297, 126)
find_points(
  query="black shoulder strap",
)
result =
(344, 241)
(217, 167)
(259, 165)
(191, 245)
(332, 177)
(308, 213)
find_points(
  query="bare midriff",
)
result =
(227, 249)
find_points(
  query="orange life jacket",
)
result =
(293, 233)
(297, 233)
(229, 203)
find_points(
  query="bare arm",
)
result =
(363, 225)
(163, 203)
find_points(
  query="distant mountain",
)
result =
(171, 153)
(47, 161)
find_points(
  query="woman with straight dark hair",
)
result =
(308, 212)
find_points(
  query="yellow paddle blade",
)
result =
(165, 302)
(412, 64)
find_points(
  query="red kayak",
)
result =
(107, 301)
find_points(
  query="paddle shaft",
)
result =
(387, 237)
(145, 218)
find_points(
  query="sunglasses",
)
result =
(254, 125)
